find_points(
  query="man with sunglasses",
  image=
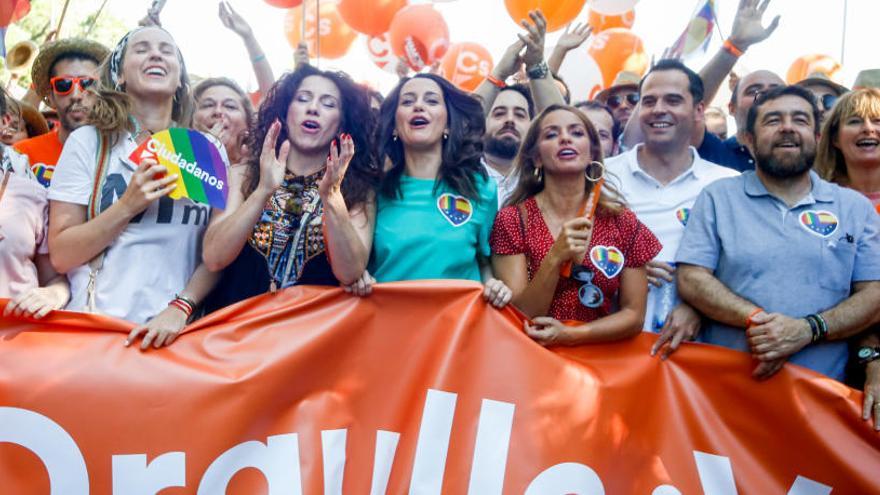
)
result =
(621, 97)
(62, 73)
(660, 180)
(825, 90)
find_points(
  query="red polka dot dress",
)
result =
(619, 241)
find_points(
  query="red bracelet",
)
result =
(732, 49)
(183, 306)
(752, 315)
(497, 82)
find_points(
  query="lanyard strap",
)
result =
(6, 176)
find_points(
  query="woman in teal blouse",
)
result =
(436, 204)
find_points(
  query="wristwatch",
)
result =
(538, 71)
(868, 354)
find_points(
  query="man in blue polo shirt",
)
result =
(785, 264)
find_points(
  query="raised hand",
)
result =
(572, 241)
(337, 164)
(272, 165)
(234, 21)
(510, 62)
(748, 27)
(574, 37)
(534, 40)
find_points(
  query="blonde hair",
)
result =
(113, 107)
(830, 163)
(530, 182)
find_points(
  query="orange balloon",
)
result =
(808, 65)
(420, 35)
(466, 65)
(284, 4)
(618, 49)
(369, 17)
(558, 12)
(334, 35)
(600, 22)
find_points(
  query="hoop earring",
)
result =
(538, 174)
(591, 165)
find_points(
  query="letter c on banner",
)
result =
(52, 444)
(568, 477)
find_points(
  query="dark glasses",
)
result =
(617, 100)
(64, 85)
(828, 101)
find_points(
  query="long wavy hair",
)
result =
(362, 176)
(830, 163)
(462, 151)
(113, 107)
(531, 182)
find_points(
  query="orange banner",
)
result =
(421, 388)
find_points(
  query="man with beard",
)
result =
(660, 180)
(785, 264)
(62, 74)
(506, 125)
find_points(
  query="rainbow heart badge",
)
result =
(608, 259)
(455, 209)
(43, 173)
(683, 214)
(820, 223)
(196, 160)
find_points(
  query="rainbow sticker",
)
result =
(683, 214)
(820, 223)
(455, 209)
(43, 173)
(608, 259)
(197, 162)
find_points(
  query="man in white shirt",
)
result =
(506, 126)
(660, 181)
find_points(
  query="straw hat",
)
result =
(869, 78)
(624, 79)
(33, 119)
(820, 79)
(51, 51)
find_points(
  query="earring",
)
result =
(601, 171)
(445, 134)
(538, 174)
(394, 136)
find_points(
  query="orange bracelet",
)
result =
(752, 315)
(497, 82)
(732, 49)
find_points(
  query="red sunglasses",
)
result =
(64, 85)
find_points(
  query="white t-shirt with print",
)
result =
(156, 254)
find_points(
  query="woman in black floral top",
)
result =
(311, 172)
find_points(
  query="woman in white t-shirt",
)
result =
(129, 250)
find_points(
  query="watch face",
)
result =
(865, 352)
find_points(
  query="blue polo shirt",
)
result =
(742, 157)
(791, 260)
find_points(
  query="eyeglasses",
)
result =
(828, 101)
(617, 100)
(64, 85)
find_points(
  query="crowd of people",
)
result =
(635, 211)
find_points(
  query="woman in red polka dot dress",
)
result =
(542, 229)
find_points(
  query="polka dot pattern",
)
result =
(623, 231)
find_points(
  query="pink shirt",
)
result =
(24, 216)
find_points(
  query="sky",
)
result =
(806, 27)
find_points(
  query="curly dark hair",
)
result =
(362, 177)
(462, 151)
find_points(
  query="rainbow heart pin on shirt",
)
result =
(608, 259)
(819, 222)
(455, 209)
(43, 173)
(683, 214)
